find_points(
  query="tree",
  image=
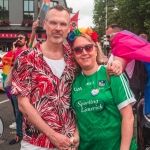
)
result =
(133, 15)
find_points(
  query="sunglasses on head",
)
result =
(19, 38)
(110, 35)
(79, 49)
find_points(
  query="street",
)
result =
(6, 113)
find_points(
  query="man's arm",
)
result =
(123, 61)
(117, 66)
(32, 115)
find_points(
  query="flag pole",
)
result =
(40, 10)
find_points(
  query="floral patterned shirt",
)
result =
(50, 96)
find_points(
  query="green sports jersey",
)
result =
(97, 103)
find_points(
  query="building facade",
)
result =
(18, 15)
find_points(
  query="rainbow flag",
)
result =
(7, 63)
(46, 5)
(8, 60)
(32, 42)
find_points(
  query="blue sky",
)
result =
(85, 8)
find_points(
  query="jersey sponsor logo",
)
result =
(90, 105)
(76, 89)
(89, 83)
(102, 83)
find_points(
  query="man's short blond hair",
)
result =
(143, 35)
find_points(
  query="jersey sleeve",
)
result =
(121, 92)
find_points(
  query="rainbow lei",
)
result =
(79, 31)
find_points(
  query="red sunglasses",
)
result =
(79, 49)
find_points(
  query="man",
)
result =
(18, 46)
(131, 47)
(111, 32)
(42, 83)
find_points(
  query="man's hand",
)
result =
(114, 68)
(14, 48)
(35, 24)
(60, 141)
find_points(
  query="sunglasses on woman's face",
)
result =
(79, 49)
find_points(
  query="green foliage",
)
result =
(133, 15)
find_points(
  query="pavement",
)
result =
(6, 113)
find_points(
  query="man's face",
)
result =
(21, 41)
(109, 35)
(57, 25)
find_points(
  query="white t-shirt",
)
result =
(57, 66)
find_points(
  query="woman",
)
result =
(103, 108)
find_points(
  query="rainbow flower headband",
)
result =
(79, 31)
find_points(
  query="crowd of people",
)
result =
(69, 96)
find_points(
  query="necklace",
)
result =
(53, 56)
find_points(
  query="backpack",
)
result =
(138, 80)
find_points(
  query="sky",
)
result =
(85, 8)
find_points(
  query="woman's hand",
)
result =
(74, 143)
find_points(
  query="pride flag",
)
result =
(130, 46)
(45, 6)
(7, 62)
(32, 42)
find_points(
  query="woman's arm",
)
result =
(75, 139)
(126, 127)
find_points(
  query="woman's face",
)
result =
(85, 53)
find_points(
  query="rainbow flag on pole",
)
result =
(46, 5)
(32, 42)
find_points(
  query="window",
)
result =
(53, 3)
(4, 13)
(28, 12)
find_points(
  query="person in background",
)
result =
(18, 46)
(144, 36)
(103, 103)
(33, 40)
(31, 43)
(42, 81)
(130, 47)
